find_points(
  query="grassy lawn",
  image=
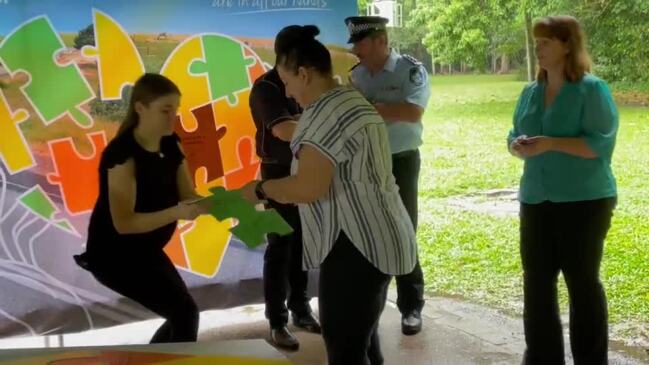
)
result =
(475, 255)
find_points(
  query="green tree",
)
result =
(85, 37)
(619, 34)
(457, 33)
(407, 38)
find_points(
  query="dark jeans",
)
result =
(567, 238)
(352, 296)
(154, 282)
(410, 287)
(283, 273)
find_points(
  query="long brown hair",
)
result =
(147, 88)
(567, 30)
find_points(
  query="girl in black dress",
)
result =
(144, 188)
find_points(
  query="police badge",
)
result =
(416, 76)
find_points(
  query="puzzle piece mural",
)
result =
(249, 165)
(201, 145)
(175, 249)
(217, 142)
(258, 68)
(14, 150)
(253, 224)
(205, 244)
(43, 79)
(195, 88)
(225, 64)
(199, 246)
(118, 61)
(45, 75)
(37, 201)
(240, 126)
(77, 175)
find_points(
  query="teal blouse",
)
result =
(581, 109)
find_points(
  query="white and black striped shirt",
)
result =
(363, 200)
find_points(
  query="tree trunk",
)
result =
(432, 64)
(528, 47)
(494, 63)
(504, 64)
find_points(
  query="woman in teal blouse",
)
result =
(565, 126)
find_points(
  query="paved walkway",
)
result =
(454, 333)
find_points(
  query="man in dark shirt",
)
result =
(275, 117)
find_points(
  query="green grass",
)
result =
(68, 38)
(154, 54)
(267, 55)
(466, 124)
(475, 255)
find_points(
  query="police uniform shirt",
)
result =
(403, 79)
(270, 106)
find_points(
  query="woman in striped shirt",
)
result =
(355, 227)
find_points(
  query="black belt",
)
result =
(407, 153)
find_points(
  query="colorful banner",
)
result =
(66, 67)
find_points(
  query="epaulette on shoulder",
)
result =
(411, 59)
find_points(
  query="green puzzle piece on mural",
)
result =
(253, 224)
(52, 89)
(37, 201)
(226, 66)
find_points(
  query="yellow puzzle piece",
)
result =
(118, 60)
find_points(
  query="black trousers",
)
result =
(154, 282)
(352, 295)
(284, 277)
(567, 238)
(410, 287)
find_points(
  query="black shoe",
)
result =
(283, 338)
(307, 322)
(411, 323)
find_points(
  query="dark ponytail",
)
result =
(293, 34)
(296, 46)
(147, 88)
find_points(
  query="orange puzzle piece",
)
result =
(77, 175)
(201, 145)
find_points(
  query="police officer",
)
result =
(276, 117)
(397, 86)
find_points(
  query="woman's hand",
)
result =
(190, 209)
(516, 145)
(248, 192)
(534, 146)
(525, 147)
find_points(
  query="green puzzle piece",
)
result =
(225, 65)
(52, 89)
(37, 201)
(253, 224)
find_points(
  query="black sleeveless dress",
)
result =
(157, 189)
